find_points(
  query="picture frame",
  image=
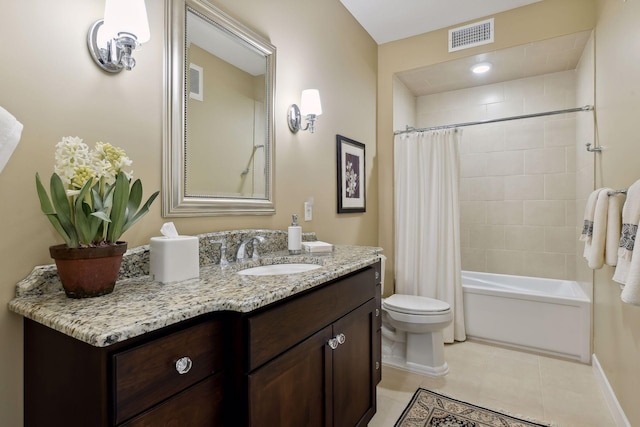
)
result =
(351, 175)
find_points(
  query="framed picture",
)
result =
(351, 191)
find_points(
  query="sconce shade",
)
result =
(126, 16)
(310, 102)
(112, 40)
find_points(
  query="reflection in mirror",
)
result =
(219, 133)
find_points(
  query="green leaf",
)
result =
(94, 225)
(45, 203)
(62, 207)
(102, 215)
(57, 212)
(119, 208)
(142, 212)
(86, 224)
(100, 211)
(135, 197)
(80, 213)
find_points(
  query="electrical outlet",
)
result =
(308, 211)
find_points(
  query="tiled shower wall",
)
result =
(584, 160)
(518, 178)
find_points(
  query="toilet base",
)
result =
(421, 353)
(431, 371)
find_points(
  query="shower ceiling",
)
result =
(390, 20)
(528, 60)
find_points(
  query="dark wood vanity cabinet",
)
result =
(133, 383)
(310, 360)
(315, 385)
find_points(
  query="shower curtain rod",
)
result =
(503, 119)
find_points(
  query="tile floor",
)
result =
(545, 389)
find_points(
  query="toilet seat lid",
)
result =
(413, 304)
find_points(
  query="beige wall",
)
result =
(50, 83)
(539, 21)
(404, 106)
(617, 325)
(517, 187)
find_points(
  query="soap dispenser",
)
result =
(295, 237)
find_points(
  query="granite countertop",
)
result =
(139, 304)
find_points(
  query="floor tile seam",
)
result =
(403, 401)
(545, 409)
(541, 382)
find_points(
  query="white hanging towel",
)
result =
(596, 253)
(587, 228)
(628, 269)
(614, 228)
(10, 133)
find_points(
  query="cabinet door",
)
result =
(291, 389)
(354, 402)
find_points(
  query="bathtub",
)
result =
(541, 315)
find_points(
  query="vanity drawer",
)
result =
(281, 327)
(200, 405)
(147, 374)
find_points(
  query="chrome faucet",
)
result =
(223, 251)
(241, 255)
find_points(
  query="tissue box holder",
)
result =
(172, 259)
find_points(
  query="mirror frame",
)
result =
(175, 202)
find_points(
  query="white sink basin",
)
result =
(276, 269)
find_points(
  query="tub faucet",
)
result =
(241, 255)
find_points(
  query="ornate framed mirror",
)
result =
(219, 98)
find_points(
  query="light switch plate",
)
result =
(308, 211)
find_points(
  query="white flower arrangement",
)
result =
(351, 180)
(92, 199)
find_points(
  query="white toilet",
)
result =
(412, 332)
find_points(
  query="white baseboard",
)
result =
(617, 413)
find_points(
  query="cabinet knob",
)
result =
(183, 365)
(377, 365)
(341, 338)
(377, 275)
(333, 343)
(377, 312)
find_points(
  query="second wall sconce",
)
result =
(310, 107)
(112, 40)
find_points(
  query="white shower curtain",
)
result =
(427, 220)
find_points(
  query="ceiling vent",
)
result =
(471, 35)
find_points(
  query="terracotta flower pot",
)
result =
(88, 272)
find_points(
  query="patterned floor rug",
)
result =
(429, 409)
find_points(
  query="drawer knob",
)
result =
(336, 341)
(183, 365)
(333, 343)
(377, 312)
(377, 275)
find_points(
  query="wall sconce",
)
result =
(112, 40)
(310, 107)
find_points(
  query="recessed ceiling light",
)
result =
(480, 68)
